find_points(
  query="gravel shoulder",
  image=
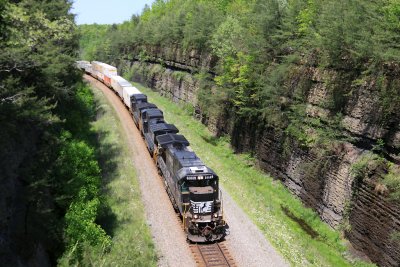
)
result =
(246, 242)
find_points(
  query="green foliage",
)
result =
(387, 173)
(228, 39)
(392, 181)
(395, 236)
(208, 97)
(179, 75)
(259, 44)
(81, 227)
(388, 30)
(188, 23)
(307, 18)
(91, 40)
(77, 169)
(79, 112)
(37, 81)
(43, 107)
(313, 132)
(38, 88)
(237, 83)
(360, 168)
(199, 23)
(77, 180)
(389, 97)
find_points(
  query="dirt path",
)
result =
(246, 243)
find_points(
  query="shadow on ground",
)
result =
(107, 155)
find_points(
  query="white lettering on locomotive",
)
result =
(199, 177)
(201, 207)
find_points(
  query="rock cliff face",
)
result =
(180, 87)
(323, 182)
(174, 57)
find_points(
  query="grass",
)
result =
(278, 214)
(123, 216)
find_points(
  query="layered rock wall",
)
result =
(174, 57)
(323, 182)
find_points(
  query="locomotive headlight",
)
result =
(196, 216)
(215, 215)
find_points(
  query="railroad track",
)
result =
(212, 255)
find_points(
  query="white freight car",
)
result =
(103, 72)
(127, 93)
(81, 64)
(89, 69)
(118, 83)
(108, 72)
(97, 69)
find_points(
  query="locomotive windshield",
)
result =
(198, 183)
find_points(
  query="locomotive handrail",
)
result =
(222, 204)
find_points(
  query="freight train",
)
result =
(192, 187)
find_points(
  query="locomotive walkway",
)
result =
(246, 244)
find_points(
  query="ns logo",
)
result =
(201, 207)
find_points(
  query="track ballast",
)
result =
(212, 255)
